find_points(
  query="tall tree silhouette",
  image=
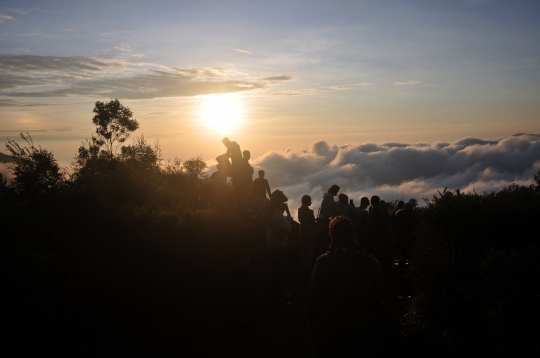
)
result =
(114, 124)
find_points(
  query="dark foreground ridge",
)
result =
(129, 254)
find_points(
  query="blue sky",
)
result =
(297, 71)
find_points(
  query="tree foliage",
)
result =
(35, 169)
(475, 271)
(114, 123)
(195, 167)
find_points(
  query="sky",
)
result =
(277, 77)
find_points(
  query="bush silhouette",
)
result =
(475, 270)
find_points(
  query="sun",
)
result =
(222, 113)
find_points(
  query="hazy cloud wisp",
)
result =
(26, 76)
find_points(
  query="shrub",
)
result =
(475, 269)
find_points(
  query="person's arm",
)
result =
(311, 218)
(287, 209)
(268, 188)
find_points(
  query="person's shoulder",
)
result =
(322, 259)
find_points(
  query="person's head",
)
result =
(306, 200)
(277, 198)
(261, 173)
(334, 190)
(375, 200)
(382, 203)
(340, 229)
(226, 141)
(364, 202)
(400, 205)
(246, 155)
(343, 199)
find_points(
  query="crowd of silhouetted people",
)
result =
(351, 250)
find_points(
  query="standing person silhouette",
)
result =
(344, 297)
(307, 231)
(278, 229)
(261, 186)
(246, 172)
(233, 152)
(380, 233)
(362, 222)
(327, 211)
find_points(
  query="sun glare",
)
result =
(222, 113)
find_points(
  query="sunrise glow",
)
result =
(222, 113)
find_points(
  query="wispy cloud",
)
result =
(4, 18)
(64, 129)
(13, 103)
(160, 113)
(22, 130)
(124, 47)
(297, 92)
(25, 76)
(242, 51)
(17, 11)
(341, 87)
(407, 83)
(281, 78)
(36, 34)
(365, 84)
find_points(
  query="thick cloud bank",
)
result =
(402, 171)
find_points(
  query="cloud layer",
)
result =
(25, 76)
(402, 171)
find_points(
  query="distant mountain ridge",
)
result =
(4, 158)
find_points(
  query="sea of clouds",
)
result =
(399, 170)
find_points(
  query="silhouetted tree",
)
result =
(413, 202)
(35, 169)
(114, 123)
(141, 153)
(195, 167)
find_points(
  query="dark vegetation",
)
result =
(132, 254)
(475, 274)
